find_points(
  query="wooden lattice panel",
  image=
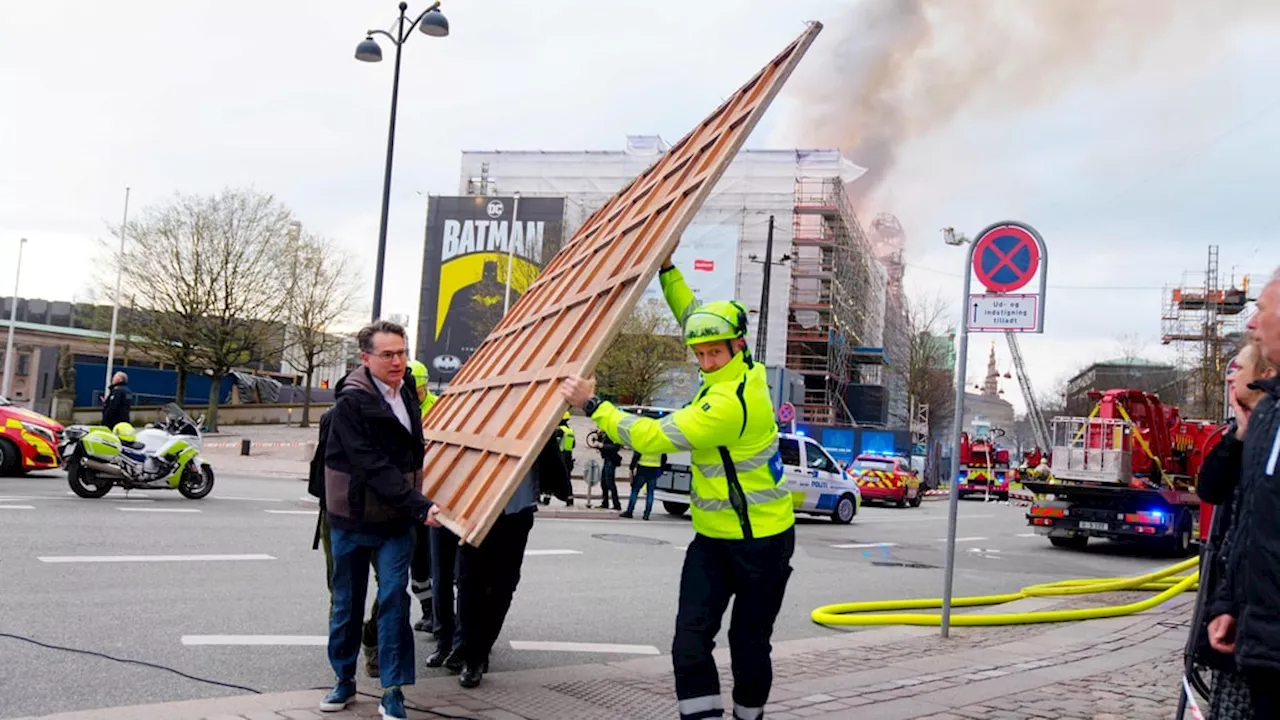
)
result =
(490, 423)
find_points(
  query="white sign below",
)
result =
(997, 312)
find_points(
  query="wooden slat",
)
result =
(492, 420)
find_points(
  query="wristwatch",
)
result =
(589, 407)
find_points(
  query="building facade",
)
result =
(830, 307)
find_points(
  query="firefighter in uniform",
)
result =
(420, 567)
(742, 511)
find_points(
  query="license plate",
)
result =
(1087, 525)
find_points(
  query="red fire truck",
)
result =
(984, 466)
(1127, 471)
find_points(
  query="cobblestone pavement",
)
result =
(1125, 668)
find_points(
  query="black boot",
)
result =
(438, 656)
(425, 624)
(472, 674)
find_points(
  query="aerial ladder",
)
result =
(1038, 426)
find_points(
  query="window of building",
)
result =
(24, 364)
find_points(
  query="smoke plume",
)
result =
(900, 69)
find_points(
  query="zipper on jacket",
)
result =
(737, 498)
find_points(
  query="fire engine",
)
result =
(984, 466)
(1127, 471)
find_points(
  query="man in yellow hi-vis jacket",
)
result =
(742, 511)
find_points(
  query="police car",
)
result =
(817, 483)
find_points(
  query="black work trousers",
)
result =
(609, 486)
(487, 580)
(1264, 692)
(444, 564)
(753, 572)
(420, 567)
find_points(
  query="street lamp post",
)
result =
(431, 22)
(115, 299)
(13, 319)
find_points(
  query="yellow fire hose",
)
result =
(1167, 581)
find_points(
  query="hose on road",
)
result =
(1167, 581)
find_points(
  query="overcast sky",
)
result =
(1129, 178)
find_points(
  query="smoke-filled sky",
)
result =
(1132, 133)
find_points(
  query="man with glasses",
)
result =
(372, 476)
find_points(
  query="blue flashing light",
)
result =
(800, 432)
(1156, 514)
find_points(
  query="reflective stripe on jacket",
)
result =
(738, 489)
(569, 439)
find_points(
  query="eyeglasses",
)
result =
(390, 354)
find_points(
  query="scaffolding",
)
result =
(836, 322)
(1204, 322)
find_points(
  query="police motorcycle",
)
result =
(163, 456)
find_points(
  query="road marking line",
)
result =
(17, 507)
(291, 512)
(983, 550)
(320, 640)
(682, 547)
(529, 553)
(131, 500)
(1027, 535)
(7, 498)
(159, 510)
(254, 499)
(308, 498)
(147, 558)
(860, 546)
(585, 647)
(919, 519)
(964, 539)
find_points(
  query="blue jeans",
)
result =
(352, 553)
(645, 477)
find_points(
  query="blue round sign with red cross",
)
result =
(1006, 257)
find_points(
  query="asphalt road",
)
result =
(612, 581)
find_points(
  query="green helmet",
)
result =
(419, 372)
(124, 431)
(718, 320)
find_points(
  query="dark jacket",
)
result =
(116, 406)
(1251, 583)
(552, 473)
(373, 464)
(315, 478)
(1217, 483)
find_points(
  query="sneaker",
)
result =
(339, 696)
(392, 707)
(371, 661)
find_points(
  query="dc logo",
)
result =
(495, 208)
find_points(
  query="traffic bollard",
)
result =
(591, 473)
(244, 446)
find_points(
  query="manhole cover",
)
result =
(903, 563)
(629, 539)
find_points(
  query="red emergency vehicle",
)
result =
(28, 440)
(984, 466)
(887, 478)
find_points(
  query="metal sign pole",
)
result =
(953, 499)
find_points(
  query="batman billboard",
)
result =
(471, 241)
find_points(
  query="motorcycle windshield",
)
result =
(180, 419)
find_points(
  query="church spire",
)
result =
(992, 385)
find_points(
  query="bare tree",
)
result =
(635, 365)
(928, 374)
(321, 292)
(164, 268)
(245, 235)
(1130, 346)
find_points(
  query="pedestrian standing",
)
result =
(612, 457)
(373, 472)
(1246, 612)
(742, 510)
(117, 404)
